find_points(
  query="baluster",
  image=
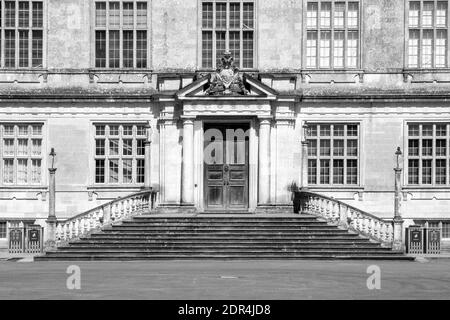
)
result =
(71, 229)
(133, 204)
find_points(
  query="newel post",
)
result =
(398, 244)
(51, 222)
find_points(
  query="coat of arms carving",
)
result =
(226, 80)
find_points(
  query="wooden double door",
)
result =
(226, 167)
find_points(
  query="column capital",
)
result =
(52, 170)
(188, 120)
(265, 120)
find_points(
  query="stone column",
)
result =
(264, 161)
(187, 183)
(147, 163)
(398, 244)
(51, 220)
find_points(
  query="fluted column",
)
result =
(187, 183)
(264, 161)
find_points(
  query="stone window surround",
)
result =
(44, 29)
(200, 30)
(93, 28)
(434, 28)
(360, 48)
(43, 157)
(92, 176)
(406, 158)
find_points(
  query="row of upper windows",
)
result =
(333, 37)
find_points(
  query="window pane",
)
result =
(441, 148)
(37, 45)
(338, 147)
(235, 49)
(10, 14)
(141, 14)
(427, 49)
(36, 147)
(248, 15)
(311, 49)
(127, 147)
(427, 14)
(127, 130)
(324, 171)
(427, 147)
(413, 171)
(325, 130)
(352, 48)
(36, 171)
(23, 48)
(100, 49)
(221, 44)
(325, 46)
(128, 15)
(99, 171)
(441, 174)
(114, 147)
(207, 49)
(441, 14)
(207, 15)
(339, 12)
(221, 15)
(312, 148)
(141, 49)
(248, 49)
(38, 13)
(353, 8)
(414, 9)
(325, 14)
(8, 171)
(413, 147)
(235, 15)
(338, 171)
(140, 147)
(24, 14)
(8, 147)
(128, 49)
(114, 171)
(352, 130)
(427, 130)
(22, 171)
(338, 54)
(426, 171)
(352, 148)
(311, 15)
(352, 172)
(441, 48)
(100, 14)
(22, 147)
(312, 171)
(441, 130)
(10, 48)
(325, 148)
(100, 130)
(100, 147)
(114, 14)
(413, 48)
(140, 171)
(114, 49)
(413, 130)
(127, 166)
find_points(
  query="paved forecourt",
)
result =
(258, 280)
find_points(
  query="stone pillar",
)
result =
(51, 220)
(264, 162)
(147, 162)
(187, 183)
(398, 243)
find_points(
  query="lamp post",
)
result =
(51, 220)
(398, 220)
(304, 185)
(147, 165)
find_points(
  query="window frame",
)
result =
(120, 157)
(420, 157)
(5, 223)
(29, 157)
(30, 30)
(421, 30)
(345, 158)
(107, 29)
(332, 30)
(213, 30)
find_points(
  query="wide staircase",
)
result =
(135, 233)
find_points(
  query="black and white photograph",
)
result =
(223, 155)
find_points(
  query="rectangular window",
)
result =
(446, 230)
(22, 28)
(228, 25)
(119, 153)
(427, 35)
(22, 154)
(121, 37)
(332, 34)
(333, 154)
(428, 154)
(3, 230)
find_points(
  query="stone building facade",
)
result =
(119, 89)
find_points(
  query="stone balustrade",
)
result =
(106, 214)
(346, 216)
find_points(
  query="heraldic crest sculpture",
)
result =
(226, 80)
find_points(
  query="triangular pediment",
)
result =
(255, 89)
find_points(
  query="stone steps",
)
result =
(222, 237)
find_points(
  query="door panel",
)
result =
(226, 167)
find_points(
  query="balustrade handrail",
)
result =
(342, 203)
(103, 215)
(149, 192)
(345, 215)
